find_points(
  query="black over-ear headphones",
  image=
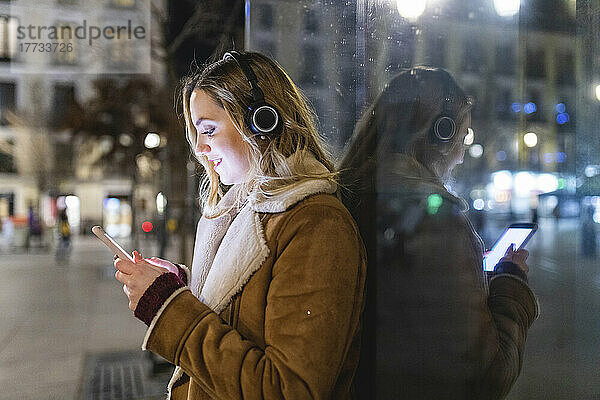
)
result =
(444, 126)
(261, 117)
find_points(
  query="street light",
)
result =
(152, 140)
(598, 92)
(530, 139)
(411, 9)
(507, 8)
(161, 203)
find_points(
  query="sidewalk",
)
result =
(52, 315)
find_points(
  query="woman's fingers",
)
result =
(125, 266)
(523, 254)
(137, 276)
(121, 277)
(137, 256)
(510, 250)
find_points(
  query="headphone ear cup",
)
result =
(263, 119)
(443, 129)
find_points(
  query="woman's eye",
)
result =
(208, 132)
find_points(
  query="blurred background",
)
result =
(92, 137)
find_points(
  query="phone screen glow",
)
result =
(512, 235)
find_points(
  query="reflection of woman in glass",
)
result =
(273, 304)
(433, 327)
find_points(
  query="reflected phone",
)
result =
(519, 234)
(110, 243)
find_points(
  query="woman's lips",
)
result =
(216, 162)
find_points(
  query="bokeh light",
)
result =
(530, 139)
(152, 140)
(562, 118)
(411, 9)
(507, 8)
(476, 151)
(503, 180)
(478, 204)
(147, 226)
(530, 108)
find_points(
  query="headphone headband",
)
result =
(242, 60)
(444, 128)
(261, 117)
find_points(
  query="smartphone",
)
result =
(519, 234)
(110, 243)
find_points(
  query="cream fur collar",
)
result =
(230, 248)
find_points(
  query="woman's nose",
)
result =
(202, 148)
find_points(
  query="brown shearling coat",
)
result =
(292, 332)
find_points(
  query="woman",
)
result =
(276, 288)
(433, 327)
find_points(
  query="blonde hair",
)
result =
(270, 170)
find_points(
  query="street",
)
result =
(54, 314)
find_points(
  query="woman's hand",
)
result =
(518, 258)
(136, 277)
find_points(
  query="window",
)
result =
(536, 63)
(64, 98)
(265, 16)
(474, 57)
(7, 161)
(311, 22)
(503, 104)
(120, 54)
(67, 53)
(7, 100)
(534, 107)
(8, 38)
(436, 48)
(565, 68)
(7, 204)
(505, 59)
(122, 3)
(312, 73)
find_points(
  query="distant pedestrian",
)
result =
(63, 248)
(588, 232)
(34, 235)
(7, 234)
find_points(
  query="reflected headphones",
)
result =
(261, 117)
(444, 126)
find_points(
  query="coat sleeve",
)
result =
(312, 314)
(461, 334)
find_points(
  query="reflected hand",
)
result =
(136, 277)
(518, 258)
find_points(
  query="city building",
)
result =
(42, 158)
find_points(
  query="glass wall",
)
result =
(531, 68)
